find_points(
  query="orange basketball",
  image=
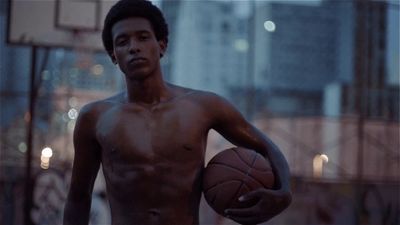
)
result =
(232, 173)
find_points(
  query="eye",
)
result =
(121, 41)
(144, 37)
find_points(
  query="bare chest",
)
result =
(138, 135)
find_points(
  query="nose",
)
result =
(133, 47)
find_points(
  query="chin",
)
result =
(137, 75)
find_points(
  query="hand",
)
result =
(269, 204)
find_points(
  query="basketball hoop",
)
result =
(58, 23)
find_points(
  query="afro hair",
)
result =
(134, 8)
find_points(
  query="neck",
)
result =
(149, 91)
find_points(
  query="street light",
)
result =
(47, 153)
(269, 26)
(318, 164)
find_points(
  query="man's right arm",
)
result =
(85, 167)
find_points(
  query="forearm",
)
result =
(279, 166)
(233, 126)
(77, 212)
(263, 145)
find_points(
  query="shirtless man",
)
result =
(151, 138)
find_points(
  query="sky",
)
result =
(393, 39)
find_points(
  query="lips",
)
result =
(137, 60)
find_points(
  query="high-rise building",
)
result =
(318, 58)
(210, 47)
(171, 13)
(308, 48)
(374, 93)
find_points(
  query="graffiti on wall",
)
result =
(50, 194)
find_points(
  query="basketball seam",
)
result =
(245, 179)
(251, 167)
(214, 198)
(240, 157)
(248, 175)
(251, 176)
(232, 168)
(226, 165)
(252, 164)
(219, 183)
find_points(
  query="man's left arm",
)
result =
(232, 125)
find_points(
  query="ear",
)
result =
(163, 47)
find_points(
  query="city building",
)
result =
(210, 52)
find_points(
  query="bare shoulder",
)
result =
(214, 104)
(90, 112)
(97, 107)
(211, 101)
(202, 97)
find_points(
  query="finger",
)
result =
(259, 193)
(255, 194)
(250, 195)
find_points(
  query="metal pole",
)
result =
(250, 89)
(361, 96)
(361, 73)
(30, 127)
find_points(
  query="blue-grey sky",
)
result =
(393, 59)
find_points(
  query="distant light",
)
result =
(22, 147)
(73, 101)
(44, 166)
(324, 158)
(269, 26)
(71, 125)
(45, 75)
(318, 164)
(47, 152)
(72, 114)
(241, 45)
(97, 69)
(45, 160)
(65, 117)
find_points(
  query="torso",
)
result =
(152, 159)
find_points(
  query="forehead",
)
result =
(131, 25)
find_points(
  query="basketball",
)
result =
(232, 173)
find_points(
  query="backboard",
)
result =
(57, 23)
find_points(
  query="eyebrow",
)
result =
(138, 32)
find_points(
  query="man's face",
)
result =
(136, 48)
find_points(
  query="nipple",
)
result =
(187, 148)
(155, 213)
